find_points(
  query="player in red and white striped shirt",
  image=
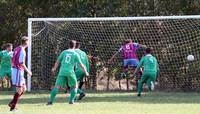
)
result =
(18, 68)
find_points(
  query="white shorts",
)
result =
(18, 79)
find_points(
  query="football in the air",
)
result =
(190, 57)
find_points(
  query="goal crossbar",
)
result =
(116, 18)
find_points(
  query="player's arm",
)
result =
(87, 64)
(158, 70)
(84, 69)
(57, 63)
(77, 58)
(113, 56)
(26, 69)
(22, 62)
(157, 65)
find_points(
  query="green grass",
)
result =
(106, 103)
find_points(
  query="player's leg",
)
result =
(14, 81)
(60, 82)
(80, 84)
(151, 81)
(2, 76)
(138, 77)
(20, 88)
(143, 79)
(53, 94)
(79, 78)
(72, 81)
(80, 91)
(7, 78)
(133, 63)
(1, 81)
(13, 78)
(125, 69)
(15, 99)
(67, 88)
(9, 81)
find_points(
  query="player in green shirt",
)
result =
(67, 60)
(80, 74)
(5, 65)
(150, 71)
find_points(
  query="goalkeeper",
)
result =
(150, 70)
(130, 58)
(80, 74)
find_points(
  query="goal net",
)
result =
(172, 39)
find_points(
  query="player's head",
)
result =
(148, 50)
(72, 44)
(9, 47)
(24, 41)
(78, 45)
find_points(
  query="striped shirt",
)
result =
(19, 56)
(129, 50)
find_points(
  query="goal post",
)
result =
(29, 55)
(50, 35)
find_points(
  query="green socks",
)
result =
(140, 84)
(53, 94)
(73, 95)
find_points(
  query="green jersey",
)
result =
(149, 62)
(68, 59)
(5, 58)
(84, 59)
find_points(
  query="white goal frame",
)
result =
(30, 20)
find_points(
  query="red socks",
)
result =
(15, 100)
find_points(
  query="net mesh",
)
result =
(171, 39)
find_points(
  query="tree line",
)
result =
(15, 13)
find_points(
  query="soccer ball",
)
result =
(190, 57)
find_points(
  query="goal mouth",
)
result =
(171, 37)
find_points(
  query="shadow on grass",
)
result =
(148, 98)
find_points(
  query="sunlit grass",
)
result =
(106, 103)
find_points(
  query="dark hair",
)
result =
(8, 45)
(78, 44)
(24, 39)
(148, 50)
(72, 44)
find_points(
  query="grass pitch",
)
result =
(106, 103)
